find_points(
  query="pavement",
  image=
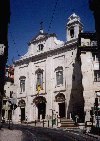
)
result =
(11, 135)
(24, 132)
(16, 135)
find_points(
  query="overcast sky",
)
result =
(26, 16)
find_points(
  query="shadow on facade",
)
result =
(4, 21)
(76, 102)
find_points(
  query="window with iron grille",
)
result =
(40, 47)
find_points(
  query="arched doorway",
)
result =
(22, 105)
(40, 102)
(60, 98)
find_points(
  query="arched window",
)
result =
(39, 83)
(72, 32)
(22, 83)
(40, 47)
(59, 75)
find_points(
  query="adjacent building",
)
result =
(4, 21)
(90, 69)
(8, 93)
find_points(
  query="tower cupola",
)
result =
(74, 27)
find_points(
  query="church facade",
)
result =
(48, 78)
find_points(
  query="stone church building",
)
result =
(50, 76)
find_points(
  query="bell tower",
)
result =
(74, 27)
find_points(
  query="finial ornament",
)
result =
(41, 27)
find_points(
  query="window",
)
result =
(11, 94)
(95, 56)
(80, 30)
(40, 47)
(99, 100)
(39, 82)
(59, 75)
(22, 83)
(73, 77)
(93, 43)
(97, 75)
(98, 96)
(72, 32)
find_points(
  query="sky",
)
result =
(26, 16)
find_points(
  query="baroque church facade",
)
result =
(49, 77)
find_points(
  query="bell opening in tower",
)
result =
(72, 33)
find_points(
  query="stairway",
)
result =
(68, 123)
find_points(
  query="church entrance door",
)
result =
(41, 110)
(22, 114)
(40, 102)
(62, 110)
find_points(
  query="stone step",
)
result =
(65, 119)
(68, 123)
(68, 126)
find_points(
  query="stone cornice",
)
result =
(46, 36)
(67, 46)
